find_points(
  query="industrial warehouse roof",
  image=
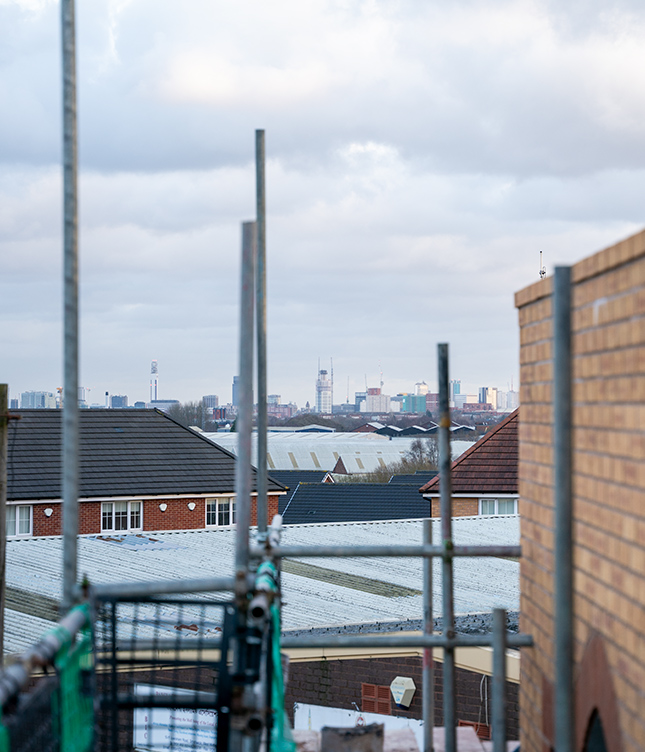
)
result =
(361, 452)
(489, 466)
(318, 592)
(122, 453)
(353, 502)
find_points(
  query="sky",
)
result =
(419, 157)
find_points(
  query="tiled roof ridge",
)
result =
(475, 447)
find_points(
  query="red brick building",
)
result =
(484, 478)
(139, 471)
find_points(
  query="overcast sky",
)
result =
(420, 154)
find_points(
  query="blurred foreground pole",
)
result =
(70, 283)
(245, 408)
(563, 586)
(261, 324)
(445, 496)
(428, 624)
(4, 443)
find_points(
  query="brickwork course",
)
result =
(608, 348)
(337, 684)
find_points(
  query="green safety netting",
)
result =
(73, 704)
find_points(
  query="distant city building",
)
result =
(432, 402)
(455, 388)
(483, 394)
(14, 404)
(274, 399)
(411, 403)
(154, 381)
(163, 405)
(377, 402)
(118, 401)
(210, 401)
(30, 400)
(236, 391)
(421, 388)
(512, 400)
(140, 405)
(323, 393)
(359, 399)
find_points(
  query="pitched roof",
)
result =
(489, 466)
(354, 502)
(121, 453)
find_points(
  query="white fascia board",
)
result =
(491, 495)
(143, 497)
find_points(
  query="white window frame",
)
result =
(496, 501)
(130, 527)
(219, 501)
(17, 508)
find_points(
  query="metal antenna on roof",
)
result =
(542, 268)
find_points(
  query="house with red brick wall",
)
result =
(139, 471)
(484, 478)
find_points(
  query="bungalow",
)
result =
(139, 471)
(484, 478)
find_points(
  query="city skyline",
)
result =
(408, 195)
(99, 395)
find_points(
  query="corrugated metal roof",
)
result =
(361, 452)
(34, 565)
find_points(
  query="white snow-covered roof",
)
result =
(361, 452)
(311, 597)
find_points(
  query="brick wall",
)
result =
(337, 683)
(177, 515)
(609, 505)
(460, 507)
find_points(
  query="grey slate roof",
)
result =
(122, 453)
(353, 502)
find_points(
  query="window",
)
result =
(498, 506)
(375, 698)
(19, 520)
(220, 512)
(119, 516)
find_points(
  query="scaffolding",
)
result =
(196, 665)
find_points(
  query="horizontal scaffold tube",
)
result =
(126, 590)
(282, 552)
(16, 676)
(401, 641)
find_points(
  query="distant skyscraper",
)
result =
(323, 393)
(420, 388)
(154, 381)
(210, 401)
(236, 391)
(483, 395)
(37, 399)
(118, 401)
(455, 388)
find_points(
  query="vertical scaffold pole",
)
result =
(563, 586)
(499, 680)
(428, 624)
(445, 491)
(4, 444)
(245, 407)
(261, 325)
(70, 347)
